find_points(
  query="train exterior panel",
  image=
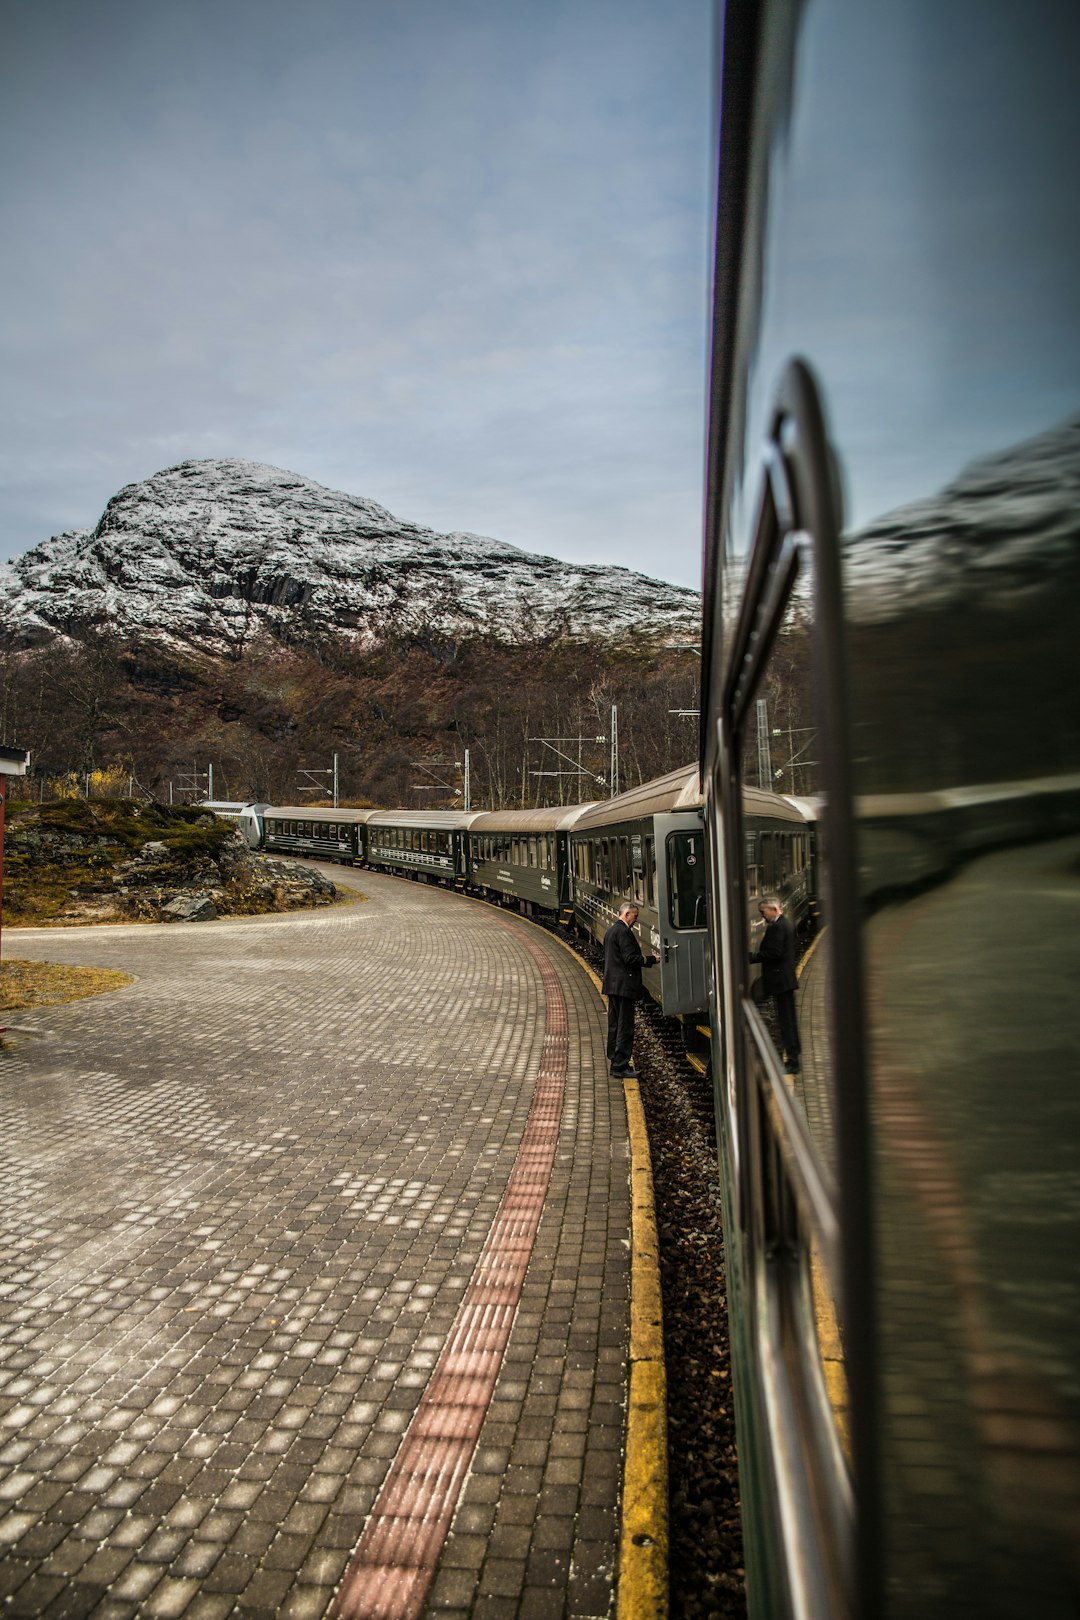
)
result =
(426, 844)
(330, 835)
(523, 855)
(890, 625)
(646, 845)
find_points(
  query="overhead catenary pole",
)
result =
(579, 769)
(335, 782)
(468, 783)
(614, 750)
(764, 753)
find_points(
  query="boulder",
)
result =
(197, 907)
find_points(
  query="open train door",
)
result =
(683, 923)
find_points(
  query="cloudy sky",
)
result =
(447, 254)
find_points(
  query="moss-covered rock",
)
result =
(112, 860)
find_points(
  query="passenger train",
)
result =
(575, 865)
(893, 466)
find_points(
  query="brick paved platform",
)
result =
(245, 1204)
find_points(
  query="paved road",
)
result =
(244, 1202)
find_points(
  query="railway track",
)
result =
(707, 1575)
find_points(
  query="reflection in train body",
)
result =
(890, 629)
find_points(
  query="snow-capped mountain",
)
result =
(207, 553)
(1006, 526)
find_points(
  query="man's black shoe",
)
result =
(625, 1074)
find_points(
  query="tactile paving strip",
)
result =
(397, 1554)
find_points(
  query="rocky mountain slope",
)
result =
(1005, 527)
(206, 554)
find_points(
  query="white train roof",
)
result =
(677, 790)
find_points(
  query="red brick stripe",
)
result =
(397, 1554)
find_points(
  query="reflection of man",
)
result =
(777, 958)
(623, 962)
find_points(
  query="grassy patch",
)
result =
(46, 984)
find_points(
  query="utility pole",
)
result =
(316, 786)
(189, 780)
(794, 762)
(431, 766)
(468, 783)
(614, 750)
(578, 769)
(764, 757)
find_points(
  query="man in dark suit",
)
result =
(777, 957)
(623, 962)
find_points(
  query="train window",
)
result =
(686, 879)
(650, 869)
(532, 851)
(623, 884)
(638, 884)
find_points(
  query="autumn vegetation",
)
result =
(121, 717)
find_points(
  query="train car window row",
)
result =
(327, 830)
(536, 850)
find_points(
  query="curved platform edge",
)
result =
(642, 1582)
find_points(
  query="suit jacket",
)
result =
(777, 957)
(623, 962)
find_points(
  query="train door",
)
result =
(681, 915)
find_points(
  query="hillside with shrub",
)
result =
(534, 717)
(118, 860)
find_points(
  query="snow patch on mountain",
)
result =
(206, 554)
(1008, 524)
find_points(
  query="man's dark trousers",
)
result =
(789, 1026)
(620, 1032)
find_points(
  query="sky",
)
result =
(450, 255)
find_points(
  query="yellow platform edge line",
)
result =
(643, 1537)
